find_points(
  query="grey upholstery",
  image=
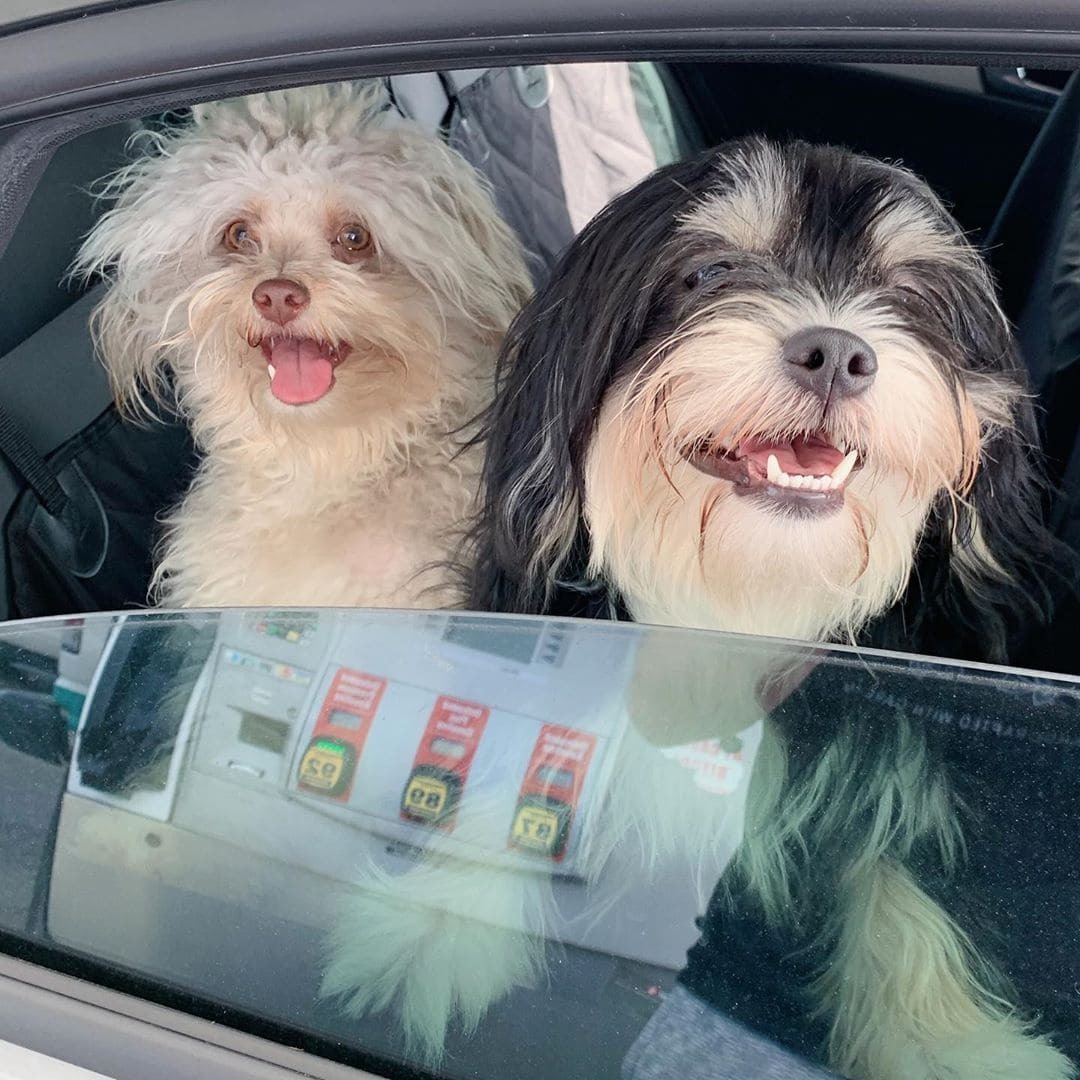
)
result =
(58, 214)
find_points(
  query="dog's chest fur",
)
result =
(372, 540)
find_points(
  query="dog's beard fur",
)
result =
(422, 314)
(687, 549)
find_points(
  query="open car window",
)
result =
(247, 810)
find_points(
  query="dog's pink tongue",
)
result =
(303, 371)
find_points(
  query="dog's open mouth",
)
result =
(807, 473)
(301, 370)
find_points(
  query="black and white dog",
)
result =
(770, 391)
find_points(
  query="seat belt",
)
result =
(70, 522)
(31, 466)
(420, 97)
(34, 421)
(431, 98)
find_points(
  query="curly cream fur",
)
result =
(350, 499)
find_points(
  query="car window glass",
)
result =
(252, 799)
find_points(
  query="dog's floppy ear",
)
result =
(488, 276)
(559, 357)
(987, 561)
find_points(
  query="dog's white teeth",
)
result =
(271, 370)
(798, 482)
(843, 470)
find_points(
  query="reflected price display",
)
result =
(329, 763)
(431, 795)
(542, 826)
(440, 769)
(550, 791)
(327, 767)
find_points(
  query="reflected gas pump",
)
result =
(275, 753)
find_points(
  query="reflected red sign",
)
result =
(441, 767)
(329, 762)
(550, 791)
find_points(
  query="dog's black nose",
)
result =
(280, 300)
(830, 363)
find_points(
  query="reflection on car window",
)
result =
(487, 846)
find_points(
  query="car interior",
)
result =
(82, 489)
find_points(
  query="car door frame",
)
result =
(61, 77)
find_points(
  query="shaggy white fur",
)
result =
(323, 286)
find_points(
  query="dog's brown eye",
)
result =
(237, 236)
(353, 241)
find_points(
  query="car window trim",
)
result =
(181, 48)
(101, 1028)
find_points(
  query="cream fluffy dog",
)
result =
(323, 287)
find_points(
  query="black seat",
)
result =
(1034, 247)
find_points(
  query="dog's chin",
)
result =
(802, 476)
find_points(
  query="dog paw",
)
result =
(439, 943)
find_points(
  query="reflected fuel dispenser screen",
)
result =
(516, 642)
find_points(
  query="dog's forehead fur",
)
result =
(332, 153)
(822, 213)
(333, 111)
(308, 145)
